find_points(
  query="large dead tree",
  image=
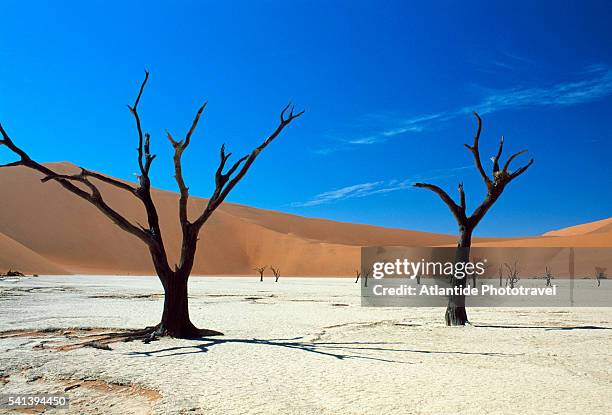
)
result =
(502, 176)
(175, 319)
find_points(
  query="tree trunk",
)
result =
(175, 318)
(456, 314)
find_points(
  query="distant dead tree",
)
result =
(501, 274)
(455, 311)
(512, 274)
(12, 273)
(175, 319)
(418, 278)
(366, 274)
(276, 273)
(548, 277)
(261, 272)
(600, 274)
(485, 267)
(357, 275)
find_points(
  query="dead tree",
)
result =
(501, 275)
(13, 273)
(502, 176)
(366, 274)
(600, 273)
(418, 278)
(261, 272)
(175, 319)
(548, 277)
(276, 273)
(357, 274)
(512, 274)
(474, 276)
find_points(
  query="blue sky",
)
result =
(388, 91)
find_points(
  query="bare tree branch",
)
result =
(461, 198)
(13, 164)
(145, 158)
(194, 124)
(134, 110)
(109, 180)
(454, 208)
(512, 157)
(497, 156)
(476, 152)
(521, 170)
(224, 182)
(179, 148)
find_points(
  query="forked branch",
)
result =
(497, 157)
(225, 182)
(476, 152)
(457, 211)
(144, 157)
(495, 187)
(179, 148)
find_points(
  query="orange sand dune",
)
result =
(16, 256)
(46, 230)
(604, 225)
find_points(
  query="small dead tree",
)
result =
(485, 267)
(261, 272)
(357, 275)
(418, 278)
(502, 176)
(12, 273)
(175, 320)
(512, 274)
(501, 275)
(366, 274)
(600, 274)
(276, 273)
(548, 277)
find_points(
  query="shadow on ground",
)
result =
(101, 338)
(547, 328)
(338, 350)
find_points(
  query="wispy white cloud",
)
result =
(375, 188)
(348, 192)
(364, 140)
(596, 86)
(595, 83)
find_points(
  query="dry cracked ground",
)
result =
(299, 346)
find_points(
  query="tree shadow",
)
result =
(546, 328)
(337, 350)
